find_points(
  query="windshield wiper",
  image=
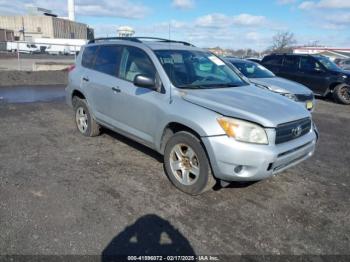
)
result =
(220, 85)
(189, 87)
(208, 86)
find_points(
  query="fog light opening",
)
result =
(238, 169)
(270, 167)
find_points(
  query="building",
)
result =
(6, 35)
(331, 52)
(29, 27)
(125, 31)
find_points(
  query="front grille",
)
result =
(292, 130)
(304, 98)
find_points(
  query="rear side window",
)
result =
(273, 60)
(108, 59)
(89, 56)
(291, 62)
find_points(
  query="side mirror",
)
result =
(145, 81)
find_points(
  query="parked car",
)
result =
(57, 50)
(60, 45)
(264, 78)
(316, 72)
(344, 64)
(25, 48)
(256, 60)
(191, 107)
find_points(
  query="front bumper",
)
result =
(236, 161)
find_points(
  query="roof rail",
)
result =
(133, 39)
(139, 40)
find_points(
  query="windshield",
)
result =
(327, 63)
(197, 69)
(253, 70)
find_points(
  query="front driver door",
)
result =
(313, 75)
(136, 109)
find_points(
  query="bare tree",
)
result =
(283, 41)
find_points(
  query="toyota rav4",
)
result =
(190, 106)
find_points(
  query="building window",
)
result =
(39, 29)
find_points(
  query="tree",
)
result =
(283, 41)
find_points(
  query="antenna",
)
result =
(169, 31)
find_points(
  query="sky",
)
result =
(208, 23)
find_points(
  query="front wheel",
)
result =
(342, 94)
(187, 165)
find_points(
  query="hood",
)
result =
(281, 85)
(342, 75)
(249, 103)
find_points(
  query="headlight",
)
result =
(290, 96)
(243, 131)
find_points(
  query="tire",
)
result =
(84, 121)
(341, 94)
(192, 173)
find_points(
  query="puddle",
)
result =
(31, 94)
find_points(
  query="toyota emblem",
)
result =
(296, 132)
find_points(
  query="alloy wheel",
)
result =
(81, 119)
(184, 164)
(345, 93)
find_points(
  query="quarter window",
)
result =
(273, 60)
(88, 56)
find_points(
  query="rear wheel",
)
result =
(341, 94)
(187, 165)
(83, 118)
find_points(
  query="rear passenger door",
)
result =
(102, 80)
(290, 68)
(273, 63)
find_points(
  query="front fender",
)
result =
(199, 119)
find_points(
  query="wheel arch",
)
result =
(334, 85)
(172, 128)
(77, 93)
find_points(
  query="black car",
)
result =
(316, 72)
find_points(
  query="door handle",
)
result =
(116, 89)
(86, 79)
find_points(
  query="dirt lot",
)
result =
(20, 78)
(62, 193)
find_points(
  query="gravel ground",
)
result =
(32, 78)
(62, 193)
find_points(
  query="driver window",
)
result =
(309, 64)
(135, 62)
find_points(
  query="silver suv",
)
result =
(190, 106)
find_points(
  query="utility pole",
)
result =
(24, 37)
